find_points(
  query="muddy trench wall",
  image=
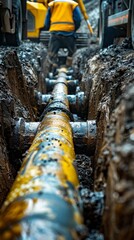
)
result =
(108, 83)
(18, 81)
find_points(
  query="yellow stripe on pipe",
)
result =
(43, 202)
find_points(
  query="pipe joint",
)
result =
(77, 102)
(55, 107)
(84, 135)
(72, 84)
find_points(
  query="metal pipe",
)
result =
(84, 135)
(69, 73)
(50, 83)
(77, 102)
(44, 202)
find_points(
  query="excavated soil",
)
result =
(18, 80)
(108, 83)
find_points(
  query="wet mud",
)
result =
(108, 83)
(18, 81)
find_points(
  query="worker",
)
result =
(62, 20)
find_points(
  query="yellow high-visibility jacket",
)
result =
(62, 15)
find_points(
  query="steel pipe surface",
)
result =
(44, 202)
(77, 102)
(84, 135)
(72, 85)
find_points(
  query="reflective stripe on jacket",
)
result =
(62, 15)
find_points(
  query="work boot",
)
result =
(69, 62)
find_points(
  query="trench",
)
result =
(106, 174)
(109, 102)
(21, 136)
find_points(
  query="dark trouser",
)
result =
(57, 42)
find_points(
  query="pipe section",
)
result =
(77, 102)
(69, 74)
(84, 135)
(50, 83)
(44, 202)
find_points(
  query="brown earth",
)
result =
(18, 80)
(108, 83)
